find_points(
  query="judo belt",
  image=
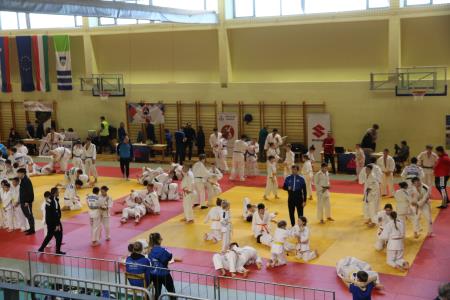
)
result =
(93, 207)
(396, 239)
(237, 152)
(155, 179)
(278, 243)
(77, 156)
(87, 157)
(427, 167)
(263, 227)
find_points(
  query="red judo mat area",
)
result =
(429, 269)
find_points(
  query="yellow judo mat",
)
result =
(346, 236)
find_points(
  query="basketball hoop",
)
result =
(418, 94)
(104, 96)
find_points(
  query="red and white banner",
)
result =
(318, 124)
(227, 123)
(142, 113)
(37, 106)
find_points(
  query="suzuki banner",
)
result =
(227, 123)
(318, 124)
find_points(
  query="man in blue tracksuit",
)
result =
(125, 153)
(180, 139)
(295, 185)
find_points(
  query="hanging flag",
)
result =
(25, 62)
(40, 60)
(5, 78)
(63, 62)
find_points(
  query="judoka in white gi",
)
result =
(94, 215)
(427, 159)
(302, 234)
(78, 155)
(216, 145)
(20, 222)
(135, 208)
(148, 175)
(277, 249)
(271, 181)
(223, 154)
(90, 155)
(251, 158)
(21, 148)
(212, 184)
(150, 200)
(61, 156)
(105, 204)
(248, 209)
(289, 160)
(387, 165)
(311, 154)
(407, 209)
(225, 222)
(238, 162)
(411, 171)
(6, 200)
(348, 267)
(394, 234)
(187, 185)
(201, 174)
(162, 184)
(371, 193)
(214, 216)
(274, 151)
(54, 139)
(261, 225)
(17, 158)
(421, 196)
(360, 159)
(322, 182)
(246, 256)
(274, 138)
(71, 199)
(308, 174)
(383, 217)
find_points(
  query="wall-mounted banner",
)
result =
(141, 113)
(227, 123)
(37, 106)
(319, 125)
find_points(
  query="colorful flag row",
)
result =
(32, 52)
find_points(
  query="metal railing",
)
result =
(89, 287)
(187, 283)
(178, 296)
(11, 276)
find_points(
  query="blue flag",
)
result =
(25, 62)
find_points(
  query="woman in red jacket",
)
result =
(441, 174)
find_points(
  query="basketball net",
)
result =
(104, 96)
(418, 94)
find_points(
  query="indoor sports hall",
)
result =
(224, 149)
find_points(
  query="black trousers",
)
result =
(125, 166)
(200, 150)
(51, 232)
(28, 212)
(167, 281)
(104, 143)
(329, 158)
(441, 185)
(262, 153)
(180, 154)
(295, 201)
(188, 149)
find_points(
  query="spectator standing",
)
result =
(441, 174)
(121, 132)
(104, 134)
(369, 140)
(13, 137)
(200, 141)
(328, 151)
(295, 185)
(180, 139)
(125, 153)
(190, 135)
(29, 129)
(169, 140)
(150, 130)
(26, 198)
(262, 136)
(39, 130)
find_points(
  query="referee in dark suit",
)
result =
(26, 198)
(53, 221)
(295, 185)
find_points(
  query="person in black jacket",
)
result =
(189, 132)
(26, 198)
(200, 141)
(53, 220)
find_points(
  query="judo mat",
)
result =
(346, 236)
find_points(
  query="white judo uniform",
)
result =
(411, 171)
(20, 222)
(405, 209)
(387, 181)
(246, 256)
(151, 202)
(273, 138)
(227, 229)
(187, 185)
(360, 159)
(302, 235)
(149, 174)
(371, 194)
(271, 181)
(71, 199)
(277, 249)
(6, 198)
(161, 184)
(133, 209)
(90, 155)
(216, 146)
(394, 234)
(238, 162)
(94, 216)
(201, 174)
(289, 161)
(261, 227)
(251, 159)
(22, 149)
(77, 156)
(212, 184)
(105, 204)
(427, 161)
(382, 219)
(322, 182)
(223, 154)
(308, 174)
(214, 216)
(421, 196)
(348, 267)
(62, 157)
